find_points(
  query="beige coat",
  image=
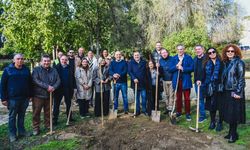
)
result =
(83, 78)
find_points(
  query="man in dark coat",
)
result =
(66, 88)
(137, 71)
(15, 93)
(199, 79)
(45, 81)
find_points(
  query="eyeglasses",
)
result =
(230, 51)
(212, 52)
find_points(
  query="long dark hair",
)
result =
(87, 65)
(207, 55)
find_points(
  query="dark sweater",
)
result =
(16, 83)
(119, 68)
(165, 66)
(65, 77)
(199, 69)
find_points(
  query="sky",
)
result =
(245, 4)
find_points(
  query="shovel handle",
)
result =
(50, 112)
(198, 108)
(135, 98)
(156, 88)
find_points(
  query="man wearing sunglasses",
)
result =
(199, 79)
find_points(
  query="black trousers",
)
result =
(151, 100)
(106, 97)
(83, 106)
(57, 102)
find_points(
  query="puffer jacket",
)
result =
(233, 76)
(42, 78)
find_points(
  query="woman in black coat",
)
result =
(233, 79)
(151, 86)
(213, 69)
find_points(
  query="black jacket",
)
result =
(72, 82)
(233, 76)
(42, 78)
(155, 56)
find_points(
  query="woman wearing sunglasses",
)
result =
(213, 68)
(233, 78)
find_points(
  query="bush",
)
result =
(189, 37)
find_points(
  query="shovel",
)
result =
(101, 96)
(172, 114)
(70, 110)
(50, 113)
(135, 100)
(196, 129)
(156, 115)
(113, 112)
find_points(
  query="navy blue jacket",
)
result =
(16, 84)
(138, 71)
(120, 68)
(165, 66)
(188, 67)
(71, 79)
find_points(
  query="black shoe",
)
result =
(219, 127)
(145, 113)
(232, 139)
(126, 112)
(211, 126)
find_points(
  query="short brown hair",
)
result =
(236, 49)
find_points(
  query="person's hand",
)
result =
(136, 81)
(157, 65)
(103, 81)
(198, 83)
(179, 67)
(50, 89)
(236, 96)
(30, 99)
(5, 103)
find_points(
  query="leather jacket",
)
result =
(42, 78)
(233, 77)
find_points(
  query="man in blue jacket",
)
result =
(167, 79)
(15, 93)
(118, 70)
(199, 78)
(137, 71)
(182, 64)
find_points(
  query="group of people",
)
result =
(220, 79)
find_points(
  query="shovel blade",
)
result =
(112, 114)
(156, 116)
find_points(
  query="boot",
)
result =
(219, 127)
(212, 125)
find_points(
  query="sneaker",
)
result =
(35, 132)
(188, 117)
(178, 115)
(13, 139)
(145, 113)
(201, 119)
(82, 117)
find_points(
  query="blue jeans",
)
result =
(202, 101)
(141, 93)
(17, 109)
(123, 87)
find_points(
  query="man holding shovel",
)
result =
(45, 81)
(137, 71)
(118, 70)
(182, 67)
